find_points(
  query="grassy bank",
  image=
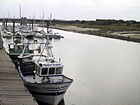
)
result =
(129, 30)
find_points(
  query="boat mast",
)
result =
(48, 46)
(50, 19)
(20, 10)
(33, 23)
(50, 23)
(43, 20)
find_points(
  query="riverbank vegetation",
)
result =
(120, 29)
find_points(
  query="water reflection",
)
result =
(62, 102)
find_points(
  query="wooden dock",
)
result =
(12, 90)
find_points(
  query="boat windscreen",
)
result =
(44, 71)
(59, 70)
(51, 70)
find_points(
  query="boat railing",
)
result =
(62, 81)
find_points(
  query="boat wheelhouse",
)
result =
(48, 69)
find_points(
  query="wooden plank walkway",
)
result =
(12, 90)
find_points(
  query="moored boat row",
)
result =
(41, 73)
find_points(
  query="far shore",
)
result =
(133, 36)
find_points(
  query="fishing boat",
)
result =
(46, 82)
(7, 35)
(16, 48)
(43, 34)
(57, 36)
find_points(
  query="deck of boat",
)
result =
(12, 90)
(30, 79)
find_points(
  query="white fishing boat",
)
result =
(15, 48)
(45, 80)
(57, 36)
(43, 34)
(7, 35)
(39, 35)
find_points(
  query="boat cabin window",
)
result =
(44, 71)
(51, 70)
(59, 70)
(38, 69)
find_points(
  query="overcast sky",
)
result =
(73, 9)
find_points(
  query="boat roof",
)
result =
(44, 62)
(56, 64)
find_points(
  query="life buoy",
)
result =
(46, 79)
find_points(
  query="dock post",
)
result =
(32, 23)
(3, 24)
(6, 20)
(13, 27)
(48, 24)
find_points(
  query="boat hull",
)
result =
(52, 100)
(48, 93)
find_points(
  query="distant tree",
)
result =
(83, 22)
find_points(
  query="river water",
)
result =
(105, 71)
